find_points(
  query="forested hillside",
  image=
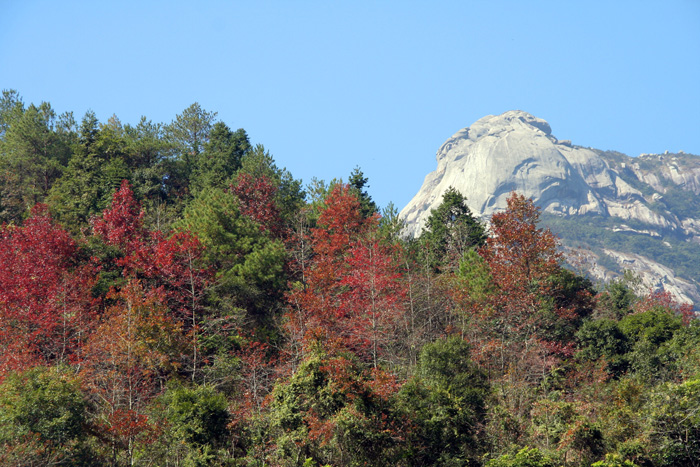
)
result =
(170, 296)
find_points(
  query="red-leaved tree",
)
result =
(46, 306)
(313, 315)
(374, 295)
(522, 260)
(256, 196)
(171, 264)
(352, 295)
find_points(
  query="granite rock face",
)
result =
(516, 151)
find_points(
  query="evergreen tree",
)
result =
(188, 134)
(249, 263)
(221, 158)
(357, 183)
(94, 172)
(32, 157)
(146, 154)
(11, 108)
(446, 400)
(451, 230)
(43, 418)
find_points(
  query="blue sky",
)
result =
(327, 86)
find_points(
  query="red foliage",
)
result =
(314, 308)
(352, 294)
(122, 224)
(363, 394)
(339, 222)
(518, 253)
(257, 375)
(170, 263)
(665, 301)
(372, 302)
(122, 428)
(46, 306)
(257, 201)
(522, 261)
(124, 425)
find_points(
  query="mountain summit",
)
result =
(586, 194)
(516, 151)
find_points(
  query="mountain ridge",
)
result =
(654, 195)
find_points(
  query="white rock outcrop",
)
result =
(655, 277)
(516, 151)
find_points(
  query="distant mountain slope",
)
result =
(638, 213)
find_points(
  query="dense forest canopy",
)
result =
(170, 296)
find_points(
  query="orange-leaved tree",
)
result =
(129, 357)
(529, 302)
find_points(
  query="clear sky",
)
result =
(329, 85)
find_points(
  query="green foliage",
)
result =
(474, 271)
(644, 343)
(614, 460)
(451, 230)
(146, 154)
(358, 182)
(249, 263)
(198, 415)
(447, 402)
(11, 108)
(43, 415)
(221, 158)
(94, 172)
(656, 326)
(552, 418)
(333, 411)
(190, 129)
(526, 457)
(33, 154)
(188, 134)
(604, 339)
(674, 421)
(623, 418)
(569, 303)
(390, 224)
(649, 332)
(683, 351)
(195, 421)
(617, 298)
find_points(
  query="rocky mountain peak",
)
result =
(516, 151)
(513, 120)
